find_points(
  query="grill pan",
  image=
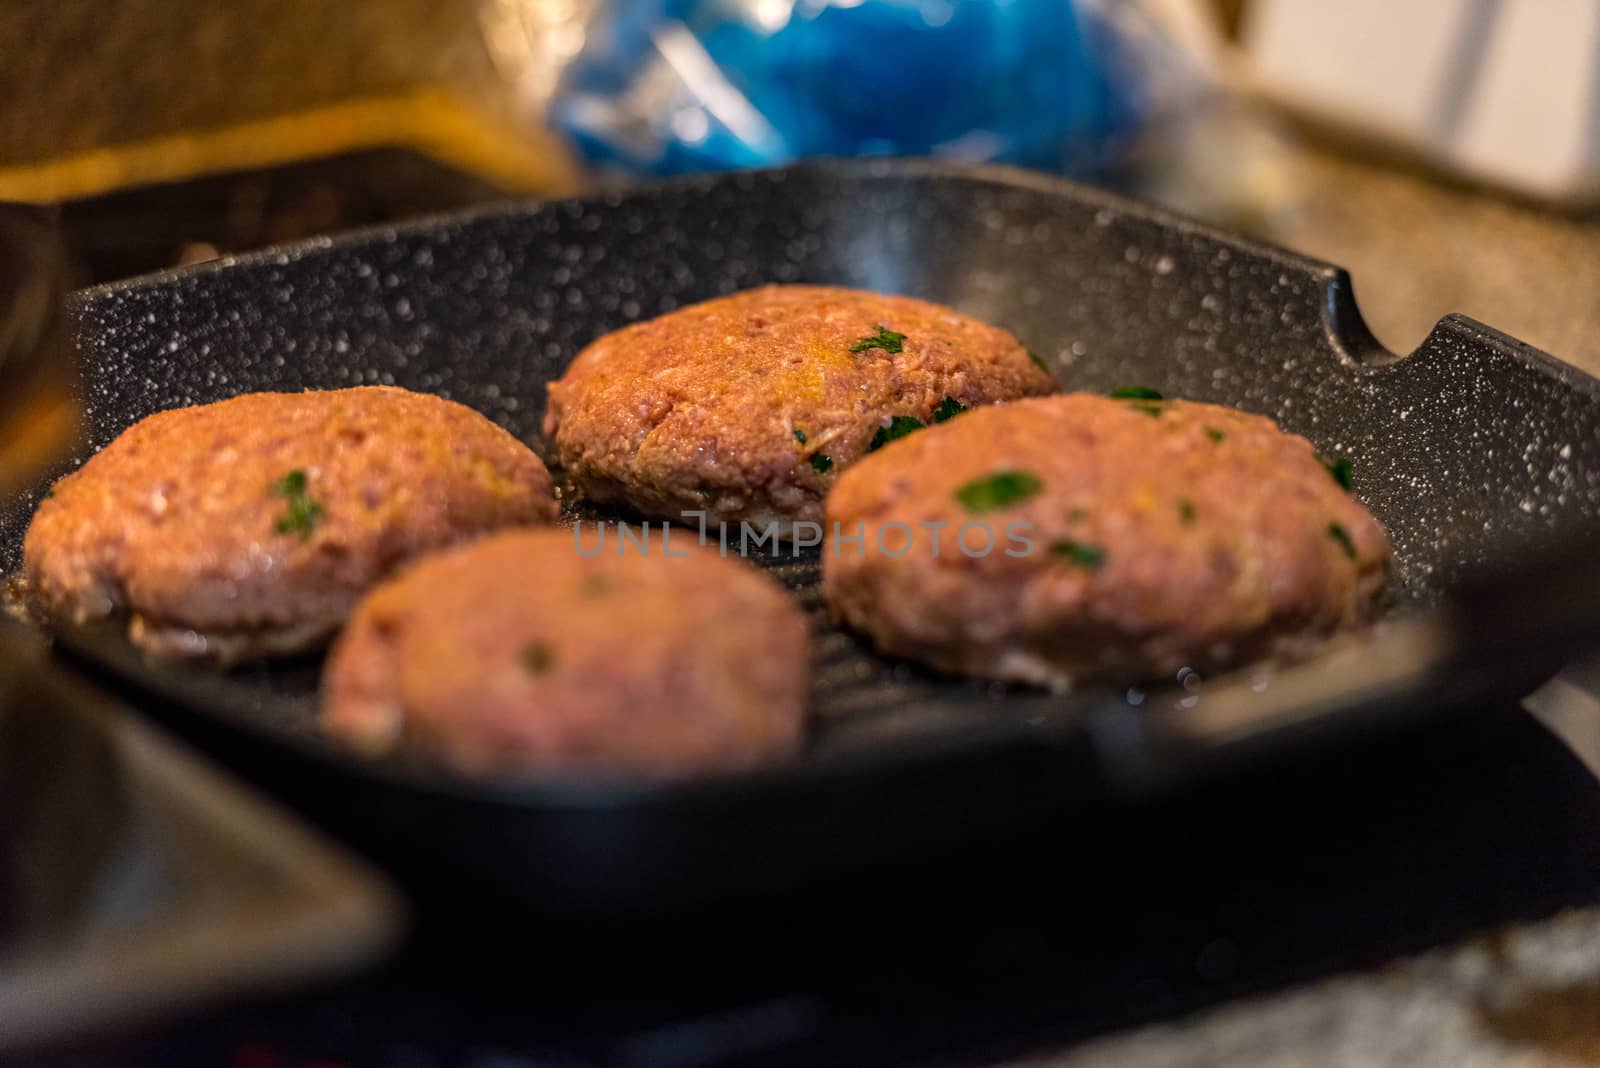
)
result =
(1477, 452)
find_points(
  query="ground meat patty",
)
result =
(750, 406)
(518, 653)
(251, 526)
(1131, 538)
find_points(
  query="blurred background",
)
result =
(1442, 150)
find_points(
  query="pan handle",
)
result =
(1546, 605)
(1499, 634)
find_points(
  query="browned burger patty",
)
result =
(1130, 539)
(749, 406)
(252, 525)
(519, 653)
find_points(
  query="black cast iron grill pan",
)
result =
(1477, 452)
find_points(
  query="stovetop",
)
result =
(1242, 890)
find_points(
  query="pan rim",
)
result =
(1343, 321)
(866, 169)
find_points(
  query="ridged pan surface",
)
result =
(1469, 450)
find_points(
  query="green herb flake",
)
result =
(799, 435)
(537, 658)
(885, 339)
(1077, 515)
(898, 427)
(301, 517)
(1214, 434)
(948, 409)
(1085, 554)
(291, 485)
(998, 490)
(301, 514)
(1337, 532)
(1136, 393)
(1186, 510)
(1153, 409)
(1038, 361)
(1342, 470)
(821, 463)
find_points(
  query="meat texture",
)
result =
(1127, 539)
(252, 525)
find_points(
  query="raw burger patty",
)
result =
(1162, 535)
(251, 526)
(517, 653)
(750, 406)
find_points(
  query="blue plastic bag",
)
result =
(677, 87)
